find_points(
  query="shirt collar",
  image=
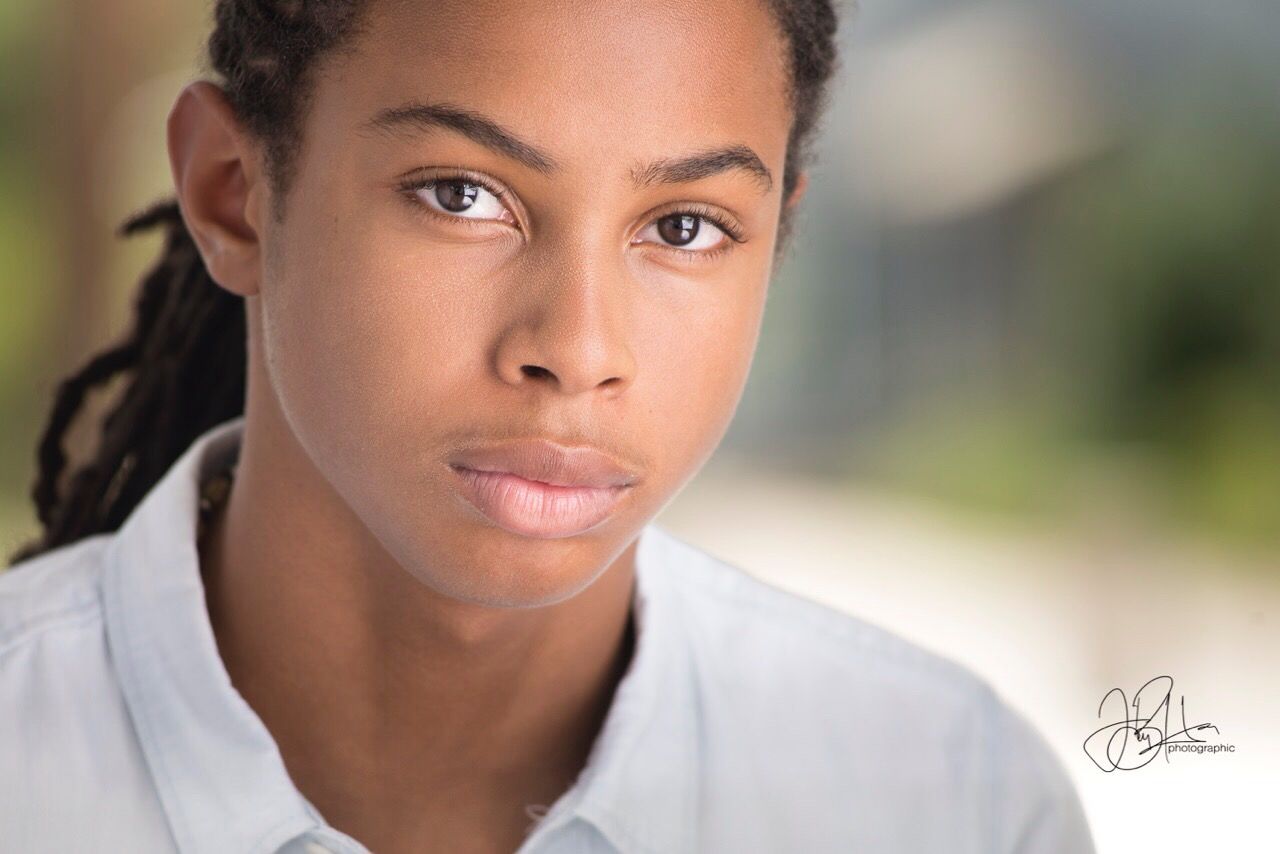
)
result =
(639, 785)
(218, 771)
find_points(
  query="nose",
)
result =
(571, 331)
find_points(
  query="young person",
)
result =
(455, 297)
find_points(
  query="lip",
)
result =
(540, 488)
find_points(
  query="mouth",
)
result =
(535, 508)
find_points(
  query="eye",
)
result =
(460, 197)
(697, 231)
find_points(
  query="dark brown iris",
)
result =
(456, 196)
(678, 229)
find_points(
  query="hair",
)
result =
(184, 360)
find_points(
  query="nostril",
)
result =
(535, 371)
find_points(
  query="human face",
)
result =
(540, 289)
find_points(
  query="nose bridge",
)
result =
(571, 329)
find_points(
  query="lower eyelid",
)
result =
(694, 256)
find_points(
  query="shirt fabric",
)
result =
(749, 720)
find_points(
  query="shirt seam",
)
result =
(32, 630)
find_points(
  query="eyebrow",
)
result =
(416, 117)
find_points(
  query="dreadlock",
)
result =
(185, 356)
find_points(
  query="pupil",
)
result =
(678, 228)
(456, 195)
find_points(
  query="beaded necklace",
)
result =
(213, 495)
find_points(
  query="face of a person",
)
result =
(546, 291)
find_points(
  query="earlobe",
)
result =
(213, 166)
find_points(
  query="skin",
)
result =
(426, 673)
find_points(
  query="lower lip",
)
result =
(535, 509)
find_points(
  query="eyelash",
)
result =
(411, 186)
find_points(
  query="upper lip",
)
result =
(549, 462)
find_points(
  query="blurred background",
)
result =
(1016, 397)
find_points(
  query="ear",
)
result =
(798, 191)
(216, 176)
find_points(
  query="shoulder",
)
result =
(867, 717)
(744, 621)
(1041, 808)
(66, 732)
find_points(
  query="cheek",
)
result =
(697, 370)
(364, 345)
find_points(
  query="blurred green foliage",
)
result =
(28, 260)
(1164, 270)
(1154, 289)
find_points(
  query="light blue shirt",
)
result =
(750, 720)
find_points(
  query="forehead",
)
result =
(594, 80)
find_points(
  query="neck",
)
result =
(405, 716)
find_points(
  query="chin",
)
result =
(496, 569)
